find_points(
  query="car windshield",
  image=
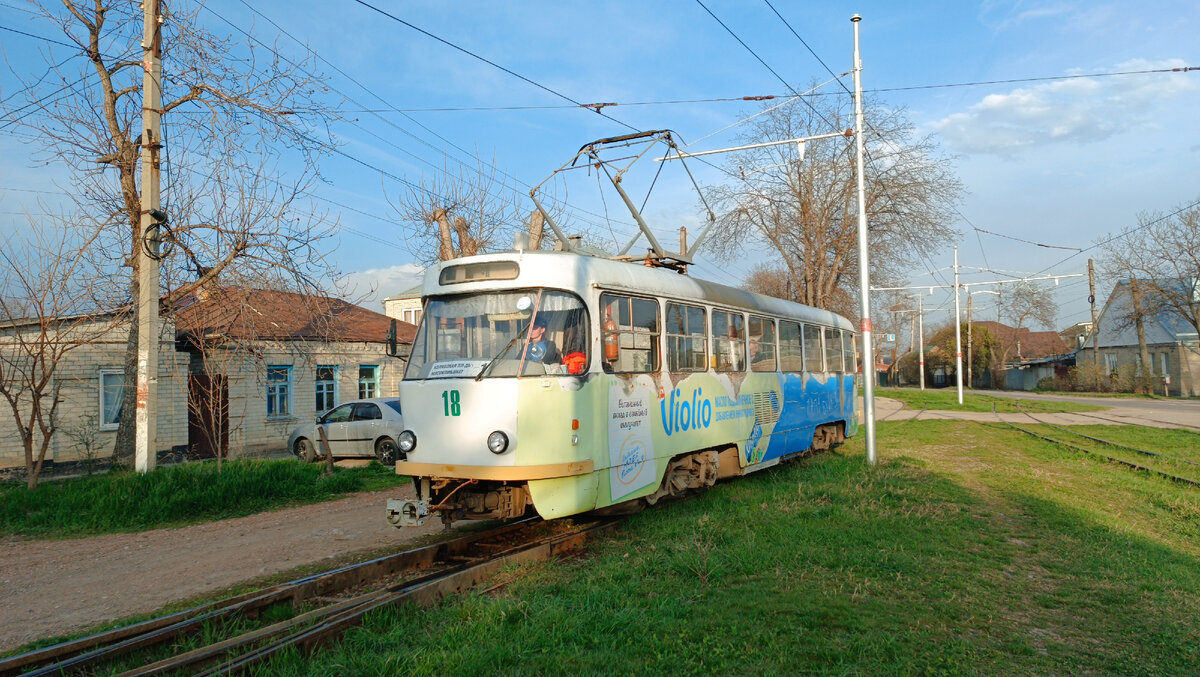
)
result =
(497, 334)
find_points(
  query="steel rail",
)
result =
(1118, 445)
(425, 592)
(1092, 452)
(104, 646)
(1185, 427)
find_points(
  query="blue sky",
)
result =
(1058, 162)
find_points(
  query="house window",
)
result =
(112, 387)
(368, 381)
(411, 315)
(326, 382)
(1162, 364)
(1110, 363)
(279, 391)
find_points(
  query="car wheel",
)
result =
(386, 451)
(306, 451)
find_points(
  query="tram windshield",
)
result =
(530, 332)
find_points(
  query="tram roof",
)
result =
(569, 270)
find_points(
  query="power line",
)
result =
(1124, 234)
(490, 62)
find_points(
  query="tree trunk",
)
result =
(537, 226)
(445, 244)
(124, 446)
(1143, 349)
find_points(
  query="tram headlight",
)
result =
(498, 442)
(407, 441)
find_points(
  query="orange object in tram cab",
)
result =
(575, 362)
(611, 351)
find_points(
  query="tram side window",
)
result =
(630, 333)
(849, 352)
(814, 357)
(791, 349)
(762, 344)
(729, 341)
(687, 342)
(833, 349)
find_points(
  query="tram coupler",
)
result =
(407, 512)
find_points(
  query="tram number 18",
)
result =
(451, 403)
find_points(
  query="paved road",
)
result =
(1121, 410)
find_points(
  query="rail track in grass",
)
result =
(326, 605)
(1100, 454)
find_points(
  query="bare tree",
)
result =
(1023, 302)
(806, 211)
(463, 212)
(1162, 253)
(47, 312)
(231, 114)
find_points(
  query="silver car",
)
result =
(357, 428)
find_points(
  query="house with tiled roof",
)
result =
(1029, 356)
(238, 369)
(263, 361)
(1171, 341)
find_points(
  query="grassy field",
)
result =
(969, 549)
(124, 501)
(947, 400)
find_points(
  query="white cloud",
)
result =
(1079, 111)
(368, 288)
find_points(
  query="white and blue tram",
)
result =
(573, 383)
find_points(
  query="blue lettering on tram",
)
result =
(681, 414)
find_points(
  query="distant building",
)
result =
(405, 306)
(1170, 339)
(1029, 356)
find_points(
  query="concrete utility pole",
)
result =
(921, 338)
(958, 375)
(1095, 324)
(863, 268)
(146, 442)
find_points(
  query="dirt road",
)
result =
(51, 588)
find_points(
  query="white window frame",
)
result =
(273, 392)
(100, 396)
(317, 386)
(372, 382)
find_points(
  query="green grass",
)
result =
(124, 501)
(947, 400)
(1178, 450)
(969, 549)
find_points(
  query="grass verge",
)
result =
(947, 400)
(969, 549)
(125, 501)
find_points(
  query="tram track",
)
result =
(1093, 452)
(1128, 420)
(328, 604)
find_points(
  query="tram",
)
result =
(567, 383)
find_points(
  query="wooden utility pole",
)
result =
(146, 442)
(1095, 324)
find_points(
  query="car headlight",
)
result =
(498, 442)
(407, 441)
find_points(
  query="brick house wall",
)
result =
(78, 376)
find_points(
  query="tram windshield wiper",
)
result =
(492, 362)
